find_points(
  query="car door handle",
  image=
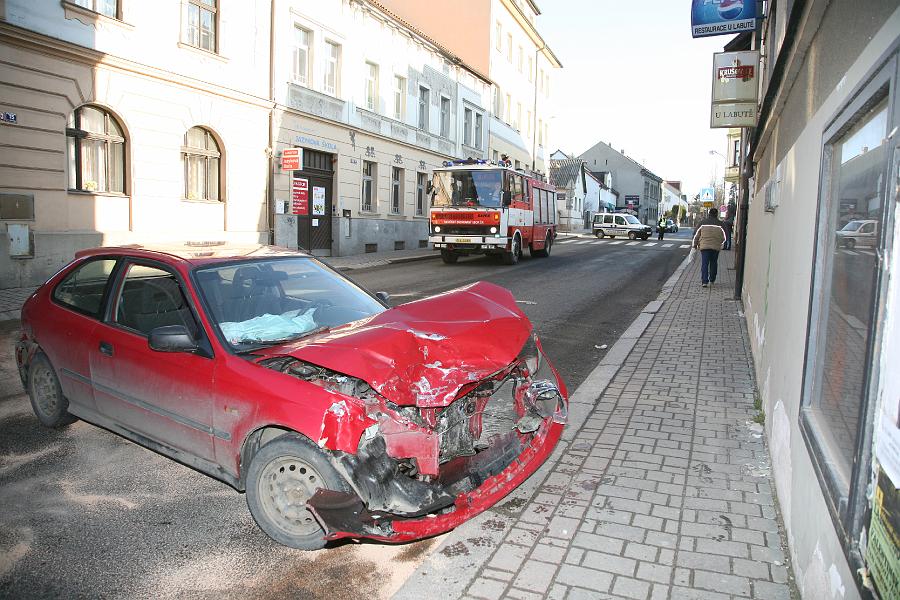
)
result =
(106, 348)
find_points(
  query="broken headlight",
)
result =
(543, 397)
(530, 355)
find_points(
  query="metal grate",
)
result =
(399, 245)
(371, 248)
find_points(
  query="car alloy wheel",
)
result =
(47, 400)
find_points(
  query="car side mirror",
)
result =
(383, 296)
(172, 338)
(507, 197)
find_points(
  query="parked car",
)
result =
(671, 226)
(619, 224)
(860, 232)
(337, 415)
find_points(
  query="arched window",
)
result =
(96, 149)
(201, 165)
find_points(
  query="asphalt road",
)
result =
(86, 513)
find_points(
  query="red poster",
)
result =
(300, 196)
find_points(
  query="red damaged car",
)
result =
(339, 416)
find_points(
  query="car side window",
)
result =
(608, 219)
(620, 221)
(83, 289)
(867, 228)
(151, 297)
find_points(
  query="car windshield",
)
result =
(467, 188)
(852, 226)
(261, 302)
(632, 220)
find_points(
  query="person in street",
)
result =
(728, 226)
(661, 228)
(709, 239)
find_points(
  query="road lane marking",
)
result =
(584, 242)
(650, 244)
(685, 246)
(566, 241)
(632, 243)
(667, 245)
(600, 242)
(616, 242)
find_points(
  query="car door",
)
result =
(66, 325)
(621, 226)
(167, 397)
(609, 226)
(866, 236)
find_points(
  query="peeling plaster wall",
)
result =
(778, 273)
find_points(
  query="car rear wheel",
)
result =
(284, 474)
(449, 256)
(47, 400)
(632, 235)
(600, 234)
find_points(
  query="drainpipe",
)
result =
(740, 258)
(270, 149)
(534, 122)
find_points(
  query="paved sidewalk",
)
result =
(660, 488)
(11, 299)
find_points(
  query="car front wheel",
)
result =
(284, 474)
(632, 236)
(512, 257)
(47, 400)
(600, 234)
(850, 243)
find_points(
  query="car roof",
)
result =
(194, 253)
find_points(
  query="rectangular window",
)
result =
(372, 86)
(467, 127)
(520, 63)
(479, 140)
(497, 106)
(302, 55)
(368, 185)
(854, 214)
(508, 112)
(540, 132)
(528, 125)
(499, 35)
(736, 154)
(518, 123)
(104, 7)
(202, 20)
(530, 69)
(399, 97)
(332, 67)
(495, 156)
(509, 47)
(424, 97)
(396, 189)
(445, 117)
(421, 189)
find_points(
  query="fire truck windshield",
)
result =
(467, 188)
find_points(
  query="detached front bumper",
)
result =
(465, 487)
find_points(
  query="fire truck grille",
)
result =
(458, 230)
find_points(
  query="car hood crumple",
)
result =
(424, 352)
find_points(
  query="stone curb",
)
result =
(462, 567)
(387, 261)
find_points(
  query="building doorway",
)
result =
(314, 220)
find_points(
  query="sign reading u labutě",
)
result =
(722, 17)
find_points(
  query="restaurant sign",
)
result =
(735, 89)
(722, 17)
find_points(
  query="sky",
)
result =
(632, 76)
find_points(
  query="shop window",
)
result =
(202, 165)
(96, 151)
(202, 24)
(108, 8)
(845, 298)
(396, 190)
(368, 185)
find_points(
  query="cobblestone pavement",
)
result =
(660, 488)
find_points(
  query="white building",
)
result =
(672, 197)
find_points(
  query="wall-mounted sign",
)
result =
(735, 89)
(306, 140)
(318, 202)
(299, 196)
(292, 159)
(8, 117)
(722, 17)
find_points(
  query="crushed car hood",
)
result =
(424, 352)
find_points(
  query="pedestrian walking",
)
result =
(728, 226)
(661, 228)
(709, 239)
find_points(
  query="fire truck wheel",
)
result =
(449, 256)
(511, 258)
(545, 251)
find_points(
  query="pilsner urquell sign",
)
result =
(722, 17)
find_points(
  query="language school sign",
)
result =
(722, 17)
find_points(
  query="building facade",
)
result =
(821, 289)
(640, 190)
(375, 105)
(499, 38)
(672, 198)
(129, 123)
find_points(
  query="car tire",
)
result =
(49, 404)
(449, 256)
(600, 234)
(512, 257)
(545, 251)
(632, 235)
(850, 243)
(283, 475)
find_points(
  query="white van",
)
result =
(621, 224)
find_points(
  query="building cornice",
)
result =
(26, 39)
(532, 32)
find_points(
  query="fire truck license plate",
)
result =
(463, 240)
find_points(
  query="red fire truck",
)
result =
(478, 207)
